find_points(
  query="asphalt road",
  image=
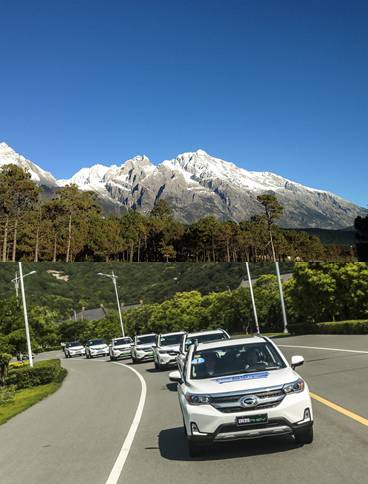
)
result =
(75, 435)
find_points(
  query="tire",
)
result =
(304, 436)
(112, 358)
(134, 360)
(157, 366)
(195, 449)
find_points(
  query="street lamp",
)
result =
(252, 297)
(16, 281)
(113, 278)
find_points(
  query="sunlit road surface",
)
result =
(77, 434)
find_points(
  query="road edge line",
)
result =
(340, 409)
(321, 348)
(124, 451)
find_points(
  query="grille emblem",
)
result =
(249, 401)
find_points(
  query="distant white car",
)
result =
(142, 348)
(167, 349)
(199, 337)
(242, 389)
(96, 347)
(120, 348)
(74, 348)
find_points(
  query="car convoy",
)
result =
(228, 389)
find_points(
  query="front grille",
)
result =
(230, 403)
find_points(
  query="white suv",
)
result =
(96, 347)
(73, 348)
(200, 337)
(120, 348)
(167, 349)
(242, 389)
(142, 348)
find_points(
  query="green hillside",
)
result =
(150, 282)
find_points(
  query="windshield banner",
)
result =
(245, 376)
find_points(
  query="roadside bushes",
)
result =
(343, 327)
(42, 373)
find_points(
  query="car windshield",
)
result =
(73, 343)
(205, 338)
(145, 340)
(170, 339)
(97, 342)
(236, 359)
(122, 341)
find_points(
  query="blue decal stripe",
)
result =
(244, 376)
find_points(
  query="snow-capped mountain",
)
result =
(40, 176)
(197, 184)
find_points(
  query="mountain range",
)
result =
(197, 184)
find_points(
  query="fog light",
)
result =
(194, 428)
(307, 415)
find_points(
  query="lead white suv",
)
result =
(242, 389)
(120, 348)
(142, 348)
(166, 349)
(200, 337)
(96, 347)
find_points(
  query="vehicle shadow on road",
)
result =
(173, 446)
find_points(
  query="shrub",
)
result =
(7, 394)
(344, 327)
(42, 373)
(302, 328)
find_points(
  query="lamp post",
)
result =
(113, 278)
(252, 297)
(16, 281)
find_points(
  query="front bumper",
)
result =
(213, 425)
(123, 353)
(165, 359)
(143, 355)
(100, 353)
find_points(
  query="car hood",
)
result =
(145, 347)
(121, 347)
(72, 348)
(98, 347)
(170, 348)
(243, 381)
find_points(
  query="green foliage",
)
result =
(43, 372)
(7, 394)
(4, 365)
(343, 327)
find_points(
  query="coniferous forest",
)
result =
(70, 226)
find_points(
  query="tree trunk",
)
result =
(37, 243)
(131, 255)
(14, 255)
(5, 241)
(139, 250)
(69, 239)
(227, 251)
(55, 248)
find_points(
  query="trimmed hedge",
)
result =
(43, 372)
(343, 327)
(333, 327)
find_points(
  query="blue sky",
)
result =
(270, 85)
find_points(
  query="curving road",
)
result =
(76, 435)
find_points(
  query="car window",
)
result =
(235, 359)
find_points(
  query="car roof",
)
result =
(173, 334)
(146, 334)
(121, 337)
(199, 333)
(231, 342)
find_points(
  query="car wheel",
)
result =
(112, 358)
(304, 436)
(157, 366)
(195, 449)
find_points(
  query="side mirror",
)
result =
(175, 376)
(296, 360)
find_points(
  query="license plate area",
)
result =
(252, 419)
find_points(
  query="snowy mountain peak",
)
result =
(9, 156)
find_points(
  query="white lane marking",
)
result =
(124, 451)
(321, 348)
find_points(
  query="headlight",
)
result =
(198, 399)
(294, 387)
